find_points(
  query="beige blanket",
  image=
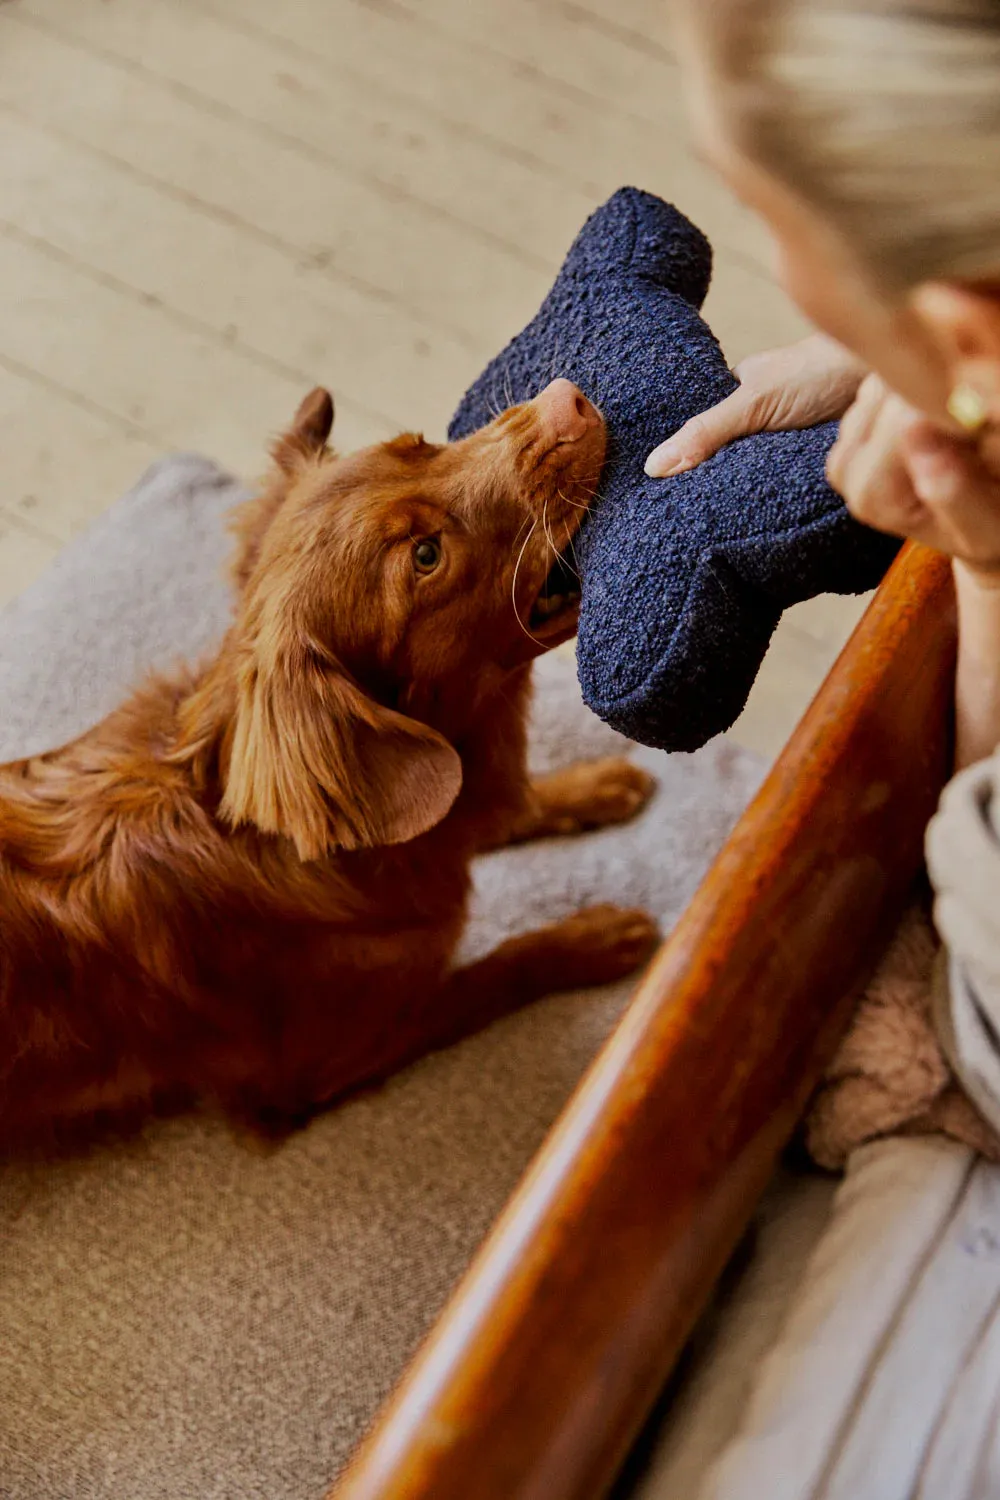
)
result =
(890, 1075)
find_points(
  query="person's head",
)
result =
(867, 134)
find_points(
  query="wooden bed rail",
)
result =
(536, 1378)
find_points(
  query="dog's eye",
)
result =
(426, 555)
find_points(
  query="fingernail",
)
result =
(662, 463)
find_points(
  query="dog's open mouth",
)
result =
(559, 596)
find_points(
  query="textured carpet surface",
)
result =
(684, 580)
(180, 1318)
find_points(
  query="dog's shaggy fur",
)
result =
(247, 884)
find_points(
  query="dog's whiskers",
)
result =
(560, 552)
(513, 584)
(574, 565)
(528, 521)
(573, 504)
(550, 539)
(568, 544)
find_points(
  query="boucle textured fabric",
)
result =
(685, 579)
(182, 1318)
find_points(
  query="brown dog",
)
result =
(247, 884)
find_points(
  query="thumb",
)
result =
(704, 435)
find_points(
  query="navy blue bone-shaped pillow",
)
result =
(685, 579)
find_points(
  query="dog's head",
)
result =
(384, 596)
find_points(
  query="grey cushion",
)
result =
(179, 1316)
(139, 589)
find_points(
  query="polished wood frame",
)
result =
(535, 1380)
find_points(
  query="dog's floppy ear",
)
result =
(307, 436)
(314, 758)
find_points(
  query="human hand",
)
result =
(901, 473)
(799, 385)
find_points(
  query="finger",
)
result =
(853, 447)
(869, 472)
(705, 434)
(861, 416)
(880, 492)
(960, 493)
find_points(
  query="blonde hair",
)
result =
(882, 114)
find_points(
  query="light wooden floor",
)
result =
(207, 206)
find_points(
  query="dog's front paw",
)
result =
(615, 791)
(605, 943)
(596, 794)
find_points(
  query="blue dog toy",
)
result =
(685, 579)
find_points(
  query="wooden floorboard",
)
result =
(208, 205)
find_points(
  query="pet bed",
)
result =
(179, 1316)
